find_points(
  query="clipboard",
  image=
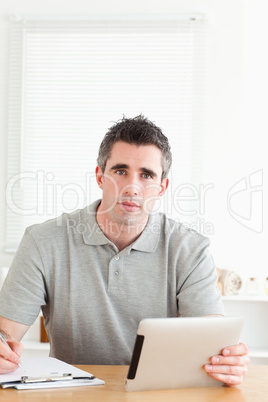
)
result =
(47, 372)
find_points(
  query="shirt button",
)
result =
(116, 273)
(116, 258)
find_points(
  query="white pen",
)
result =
(3, 339)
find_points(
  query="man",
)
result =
(98, 271)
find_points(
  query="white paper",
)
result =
(44, 368)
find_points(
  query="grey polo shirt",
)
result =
(93, 296)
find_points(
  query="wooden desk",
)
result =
(254, 388)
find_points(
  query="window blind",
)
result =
(71, 79)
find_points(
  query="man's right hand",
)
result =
(13, 332)
(9, 359)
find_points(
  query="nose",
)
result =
(132, 188)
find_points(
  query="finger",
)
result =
(230, 360)
(236, 350)
(231, 375)
(8, 354)
(17, 347)
(224, 369)
(7, 366)
(227, 378)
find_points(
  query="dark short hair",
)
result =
(139, 131)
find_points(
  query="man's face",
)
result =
(131, 183)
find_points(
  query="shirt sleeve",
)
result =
(198, 294)
(23, 292)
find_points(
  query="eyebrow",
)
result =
(148, 171)
(142, 170)
(119, 166)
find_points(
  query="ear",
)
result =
(163, 186)
(99, 176)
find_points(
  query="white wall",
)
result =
(237, 127)
(236, 113)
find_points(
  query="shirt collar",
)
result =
(93, 235)
(148, 240)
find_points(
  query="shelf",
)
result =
(35, 345)
(258, 352)
(261, 298)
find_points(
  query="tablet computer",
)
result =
(171, 352)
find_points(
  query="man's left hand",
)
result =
(231, 366)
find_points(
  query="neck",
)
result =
(121, 234)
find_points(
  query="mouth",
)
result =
(129, 206)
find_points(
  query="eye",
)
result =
(120, 172)
(146, 176)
